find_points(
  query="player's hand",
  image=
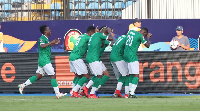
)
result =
(96, 29)
(149, 35)
(109, 30)
(58, 40)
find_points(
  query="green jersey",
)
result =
(80, 47)
(94, 47)
(106, 43)
(44, 53)
(118, 49)
(134, 39)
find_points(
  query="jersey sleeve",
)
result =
(42, 41)
(106, 43)
(103, 36)
(142, 39)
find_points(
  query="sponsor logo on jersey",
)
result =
(70, 38)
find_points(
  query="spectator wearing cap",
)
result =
(135, 25)
(1, 40)
(182, 39)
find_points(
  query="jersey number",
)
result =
(78, 40)
(89, 41)
(130, 40)
(118, 40)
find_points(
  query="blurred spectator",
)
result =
(182, 39)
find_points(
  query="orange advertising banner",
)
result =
(64, 77)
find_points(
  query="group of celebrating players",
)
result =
(123, 58)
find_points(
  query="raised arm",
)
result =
(147, 44)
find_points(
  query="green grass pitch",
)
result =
(143, 103)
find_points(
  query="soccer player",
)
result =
(93, 57)
(44, 62)
(76, 63)
(105, 71)
(133, 41)
(119, 65)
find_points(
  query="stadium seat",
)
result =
(80, 6)
(6, 7)
(71, 5)
(93, 5)
(105, 0)
(118, 6)
(55, 6)
(128, 3)
(14, 1)
(24, 1)
(4, 1)
(106, 5)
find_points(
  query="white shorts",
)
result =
(97, 68)
(120, 68)
(133, 67)
(78, 66)
(48, 68)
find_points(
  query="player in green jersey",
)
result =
(105, 71)
(119, 65)
(93, 56)
(76, 63)
(44, 62)
(134, 39)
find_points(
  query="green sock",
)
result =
(33, 79)
(104, 79)
(121, 79)
(93, 78)
(77, 81)
(130, 78)
(82, 81)
(54, 83)
(75, 78)
(127, 81)
(135, 80)
(97, 82)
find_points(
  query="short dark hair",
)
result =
(145, 29)
(43, 28)
(90, 28)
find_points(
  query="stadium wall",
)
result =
(23, 36)
(160, 72)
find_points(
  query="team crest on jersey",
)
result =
(41, 40)
(70, 38)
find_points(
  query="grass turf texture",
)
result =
(143, 103)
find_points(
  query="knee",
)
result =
(39, 76)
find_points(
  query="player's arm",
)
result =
(110, 35)
(55, 41)
(147, 44)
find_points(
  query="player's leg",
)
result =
(106, 75)
(126, 87)
(81, 68)
(122, 71)
(40, 72)
(72, 69)
(89, 84)
(134, 71)
(97, 69)
(48, 68)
